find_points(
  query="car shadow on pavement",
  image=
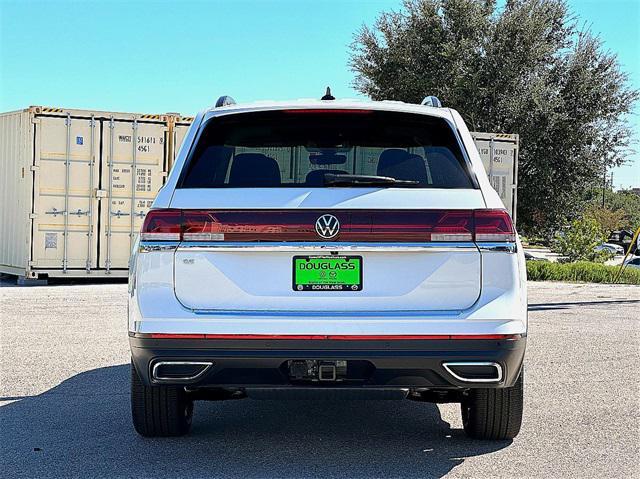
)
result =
(11, 281)
(82, 428)
(577, 304)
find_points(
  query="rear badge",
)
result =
(327, 226)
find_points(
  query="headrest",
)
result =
(254, 169)
(446, 171)
(402, 165)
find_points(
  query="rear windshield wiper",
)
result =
(331, 179)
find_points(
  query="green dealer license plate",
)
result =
(327, 273)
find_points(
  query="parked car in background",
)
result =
(622, 238)
(633, 262)
(529, 257)
(610, 248)
(310, 247)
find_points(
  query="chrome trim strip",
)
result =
(498, 247)
(156, 378)
(498, 367)
(151, 246)
(296, 246)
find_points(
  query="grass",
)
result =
(581, 271)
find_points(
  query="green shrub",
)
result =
(579, 240)
(581, 271)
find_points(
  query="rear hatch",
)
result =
(325, 211)
(253, 264)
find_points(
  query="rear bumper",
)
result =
(255, 363)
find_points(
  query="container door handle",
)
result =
(55, 212)
(119, 213)
(79, 213)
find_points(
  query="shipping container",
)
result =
(499, 153)
(76, 185)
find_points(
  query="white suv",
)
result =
(326, 247)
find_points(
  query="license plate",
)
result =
(327, 273)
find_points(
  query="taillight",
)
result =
(201, 226)
(162, 225)
(414, 225)
(493, 225)
(453, 226)
(440, 225)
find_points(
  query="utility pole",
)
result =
(611, 181)
(604, 184)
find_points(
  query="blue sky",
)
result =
(159, 56)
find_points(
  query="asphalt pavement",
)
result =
(64, 403)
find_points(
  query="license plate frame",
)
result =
(316, 283)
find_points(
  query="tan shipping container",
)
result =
(499, 154)
(76, 185)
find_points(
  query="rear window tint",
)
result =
(295, 148)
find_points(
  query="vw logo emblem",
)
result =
(327, 226)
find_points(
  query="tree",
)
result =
(608, 220)
(524, 69)
(629, 202)
(624, 206)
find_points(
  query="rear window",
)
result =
(318, 148)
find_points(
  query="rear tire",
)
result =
(159, 411)
(494, 413)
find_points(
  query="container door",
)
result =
(65, 204)
(133, 155)
(498, 157)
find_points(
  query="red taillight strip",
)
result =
(334, 337)
(481, 225)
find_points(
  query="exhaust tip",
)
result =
(179, 371)
(475, 371)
